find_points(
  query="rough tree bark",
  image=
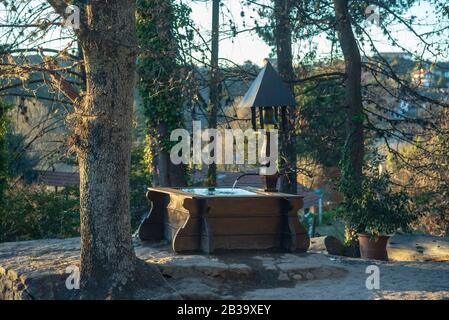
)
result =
(102, 136)
(283, 36)
(107, 254)
(354, 107)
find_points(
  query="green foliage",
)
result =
(329, 217)
(31, 212)
(158, 23)
(4, 122)
(377, 208)
(321, 130)
(140, 179)
(36, 213)
(425, 172)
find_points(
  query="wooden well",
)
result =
(206, 223)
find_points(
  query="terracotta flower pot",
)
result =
(373, 248)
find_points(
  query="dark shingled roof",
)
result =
(268, 90)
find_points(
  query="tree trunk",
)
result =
(159, 68)
(283, 35)
(164, 172)
(103, 132)
(354, 107)
(214, 91)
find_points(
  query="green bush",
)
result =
(32, 212)
(378, 208)
(29, 212)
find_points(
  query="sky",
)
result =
(249, 46)
(246, 46)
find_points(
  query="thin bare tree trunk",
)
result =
(214, 92)
(283, 33)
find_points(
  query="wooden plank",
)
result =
(206, 230)
(152, 228)
(302, 242)
(151, 231)
(176, 218)
(247, 242)
(230, 207)
(299, 228)
(239, 242)
(186, 243)
(192, 228)
(232, 227)
(245, 225)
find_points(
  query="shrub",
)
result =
(378, 208)
(32, 212)
(29, 212)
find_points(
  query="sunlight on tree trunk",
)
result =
(102, 137)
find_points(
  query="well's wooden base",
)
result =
(209, 223)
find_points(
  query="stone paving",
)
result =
(36, 270)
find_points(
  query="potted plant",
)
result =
(375, 213)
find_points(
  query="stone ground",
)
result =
(36, 270)
(418, 248)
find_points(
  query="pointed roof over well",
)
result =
(268, 90)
